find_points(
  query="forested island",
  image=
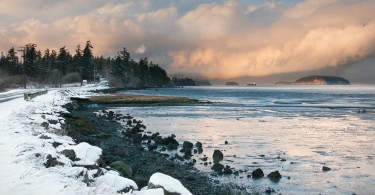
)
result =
(317, 80)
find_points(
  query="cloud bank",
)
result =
(217, 40)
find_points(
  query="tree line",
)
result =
(53, 67)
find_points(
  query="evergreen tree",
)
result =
(11, 62)
(121, 67)
(87, 62)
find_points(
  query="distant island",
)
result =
(317, 80)
(231, 83)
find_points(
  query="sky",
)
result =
(218, 40)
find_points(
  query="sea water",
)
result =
(293, 129)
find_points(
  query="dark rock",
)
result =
(187, 146)
(69, 154)
(54, 122)
(226, 142)
(205, 163)
(152, 147)
(52, 162)
(204, 159)
(258, 173)
(125, 169)
(56, 144)
(217, 167)
(99, 173)
(227, 170)
(326, 168)
(236, 173)
(137, 138)
(37, 155)
(45, 124)
(173, 136)
(171, 143)
(198, 145)
(269, 190)
(217, 156)
(140, 180)
(248, 176)
(158, 140)
(274, 176)
(44, 137)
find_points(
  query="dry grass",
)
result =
(140, 99)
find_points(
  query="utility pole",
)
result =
(23, 50)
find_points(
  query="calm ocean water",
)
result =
(308, 126)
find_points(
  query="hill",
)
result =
(322, 80)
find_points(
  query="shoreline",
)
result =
(115, 147)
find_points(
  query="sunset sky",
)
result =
(248, 39)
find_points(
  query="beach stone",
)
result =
(217, 156)
(217, 167)
(69, 153)
(158, 140)
(44, 124)
(52, 162)
(227, 170)
(54, 122)
(56, 144)
(258, 173)
(274, 176)
(125, 169)
(226, 142)
(326, 168)
(187, 146)
(137, 138)
(171, 143)
(199, 146)
(44, 137)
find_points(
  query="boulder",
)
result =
(52, 162)
(274, 176)
(171, 143)
(69, 154)
(119, 183)
(125, 169)
(326, 168)
(258, 173)
(187, 146)
(169, 184)
(217, 167)
(217, 156)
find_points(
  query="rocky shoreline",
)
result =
(124, 149)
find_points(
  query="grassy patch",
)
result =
(140, 99)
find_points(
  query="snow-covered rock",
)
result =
(88, 154)
(117, 182)
(168, 183)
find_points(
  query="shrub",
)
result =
(73, 77)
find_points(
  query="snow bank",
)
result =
(167, 182)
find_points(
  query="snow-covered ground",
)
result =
(32, 138)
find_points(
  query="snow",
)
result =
(117, 182)
(88, 154)
(25, 145)
(169, 183)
